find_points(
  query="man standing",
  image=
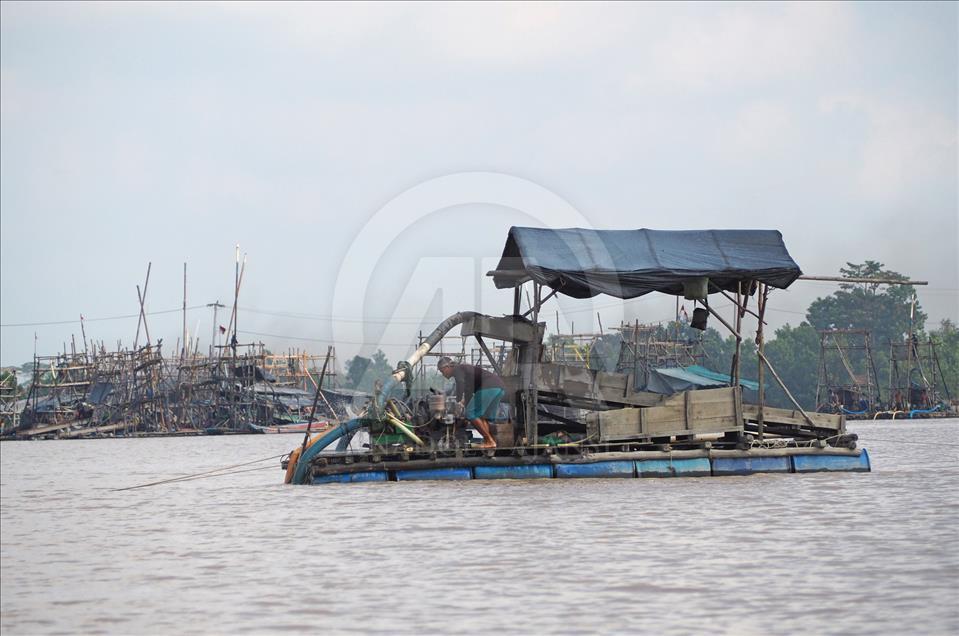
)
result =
(480, 390)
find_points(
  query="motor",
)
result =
(438, 417)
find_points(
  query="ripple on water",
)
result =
(767, 554)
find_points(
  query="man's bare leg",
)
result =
(483, 427)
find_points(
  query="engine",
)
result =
(438, 419)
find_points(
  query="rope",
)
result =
(770, 443)
(195, 475)
(235, 472)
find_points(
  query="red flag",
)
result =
(222, 329)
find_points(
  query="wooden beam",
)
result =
(878, 281)
(782, 384)
(489, 355)
(543, 300)
(733, 301)
(732, 329)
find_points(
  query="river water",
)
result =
(844, 553)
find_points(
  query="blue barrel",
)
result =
(596, 469)
(819, 463)
(528, 471)
(688, 467)
(750, 465)
(427, 474)
(346, 478)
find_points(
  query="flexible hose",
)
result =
(302, 471)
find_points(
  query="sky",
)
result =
(369, 159)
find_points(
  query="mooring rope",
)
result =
(210, 473)
(234, 472)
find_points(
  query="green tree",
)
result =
(432, 379)
(717, 351)
(886, 311)
(794, 353)
(362, 373)
(8, 384)
(946, 340)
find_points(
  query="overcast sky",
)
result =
(370, 158)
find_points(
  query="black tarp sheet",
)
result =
(628, 263)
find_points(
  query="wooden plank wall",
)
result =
(703, 412)
(689, 413)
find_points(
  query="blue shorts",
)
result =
(484, 404)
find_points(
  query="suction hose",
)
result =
(302, 460)
(435, 336)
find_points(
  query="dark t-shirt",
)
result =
(470, 379)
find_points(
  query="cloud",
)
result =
(736, 45)
(282, 126)
(908, 145)
(760, 129)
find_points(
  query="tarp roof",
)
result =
(671, 380)
(724, 377)
(627, 263)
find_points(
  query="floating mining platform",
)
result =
(513, 464)
(563, 418)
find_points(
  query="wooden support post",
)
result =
(186, 346)
(142, 298)
(316, 397)
(83, 332)
(532, 425)
(146, 330)
(762, 295)
(739, 329)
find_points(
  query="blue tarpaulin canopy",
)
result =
(628, 263)
(722, 377)
(676, 379)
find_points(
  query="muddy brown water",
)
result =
(843, 553)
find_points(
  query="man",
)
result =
(480, 390)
